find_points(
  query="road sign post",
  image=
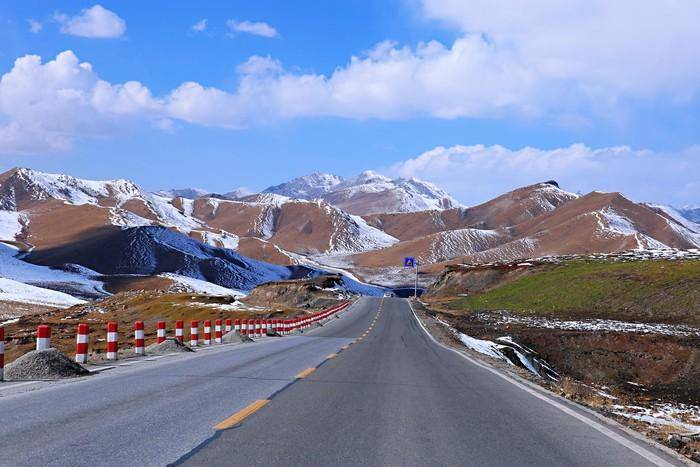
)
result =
(410, 262)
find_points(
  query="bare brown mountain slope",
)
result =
(304, 227)
(506, 210)
(597, 222)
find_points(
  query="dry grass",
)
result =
(125, 308)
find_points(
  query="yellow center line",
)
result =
(305, 373)
(333, 355)
(241, 415)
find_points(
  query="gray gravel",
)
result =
(43, 364)
(168, 346)
(234, 337)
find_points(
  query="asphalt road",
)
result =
(398, 398)
(154, 412)
(393, 397)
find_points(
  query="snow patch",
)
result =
(15, 269)
(616, 223)
(11, 224)
(15, 291)
(199, 286)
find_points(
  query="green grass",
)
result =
(650, 291)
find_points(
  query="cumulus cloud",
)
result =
(251, 27)
(200, 26)
(95, 22)
(47, 105)
(624, 48)
(476, 173)
(568, 63)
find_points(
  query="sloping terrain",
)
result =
(649, 291)
(506, 210)
(691, 213)
(597, 222)
(154, 250)
(304, 227)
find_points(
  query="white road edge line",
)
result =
(650, 456)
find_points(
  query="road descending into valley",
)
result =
(369, 388)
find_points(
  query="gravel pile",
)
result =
(233, 337)
(43, 364)
(168, 346)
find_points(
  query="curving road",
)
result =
(369, 388)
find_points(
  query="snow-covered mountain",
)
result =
(310, 186)
(238, 193)
(47, 214)
(368, 193)
(692, 213)
(189, 193)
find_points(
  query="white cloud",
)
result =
(251, 27)
(624, 48)
(45, 106)
(95, 22)
(35, 26)
(476, 173)
(200, 25)
(562, 62)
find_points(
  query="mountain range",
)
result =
(362, 227)
(368, 193)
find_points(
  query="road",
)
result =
(374, 389)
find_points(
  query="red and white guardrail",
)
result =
(81, 343)
(257, 327)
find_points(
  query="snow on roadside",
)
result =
(590, 325)
(15, 291)
(506, 350)
(683, 416)
(200, 286)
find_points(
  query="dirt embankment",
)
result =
(640, 365)
(456, 281)
(312, 294)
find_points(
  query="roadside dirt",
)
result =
(312, 294)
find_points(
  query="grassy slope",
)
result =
(651, 291)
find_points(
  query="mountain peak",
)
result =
(369, 176)
(28, 185)
(309, 186)
(189, 193)
(368, 193)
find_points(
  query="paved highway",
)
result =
(393, 397)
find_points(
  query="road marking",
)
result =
(345, 347)
(305, 373)
(333, 355)
(648, 455)
(241, 415)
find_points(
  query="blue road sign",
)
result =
(409, 262)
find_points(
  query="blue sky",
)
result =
(605, 96)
